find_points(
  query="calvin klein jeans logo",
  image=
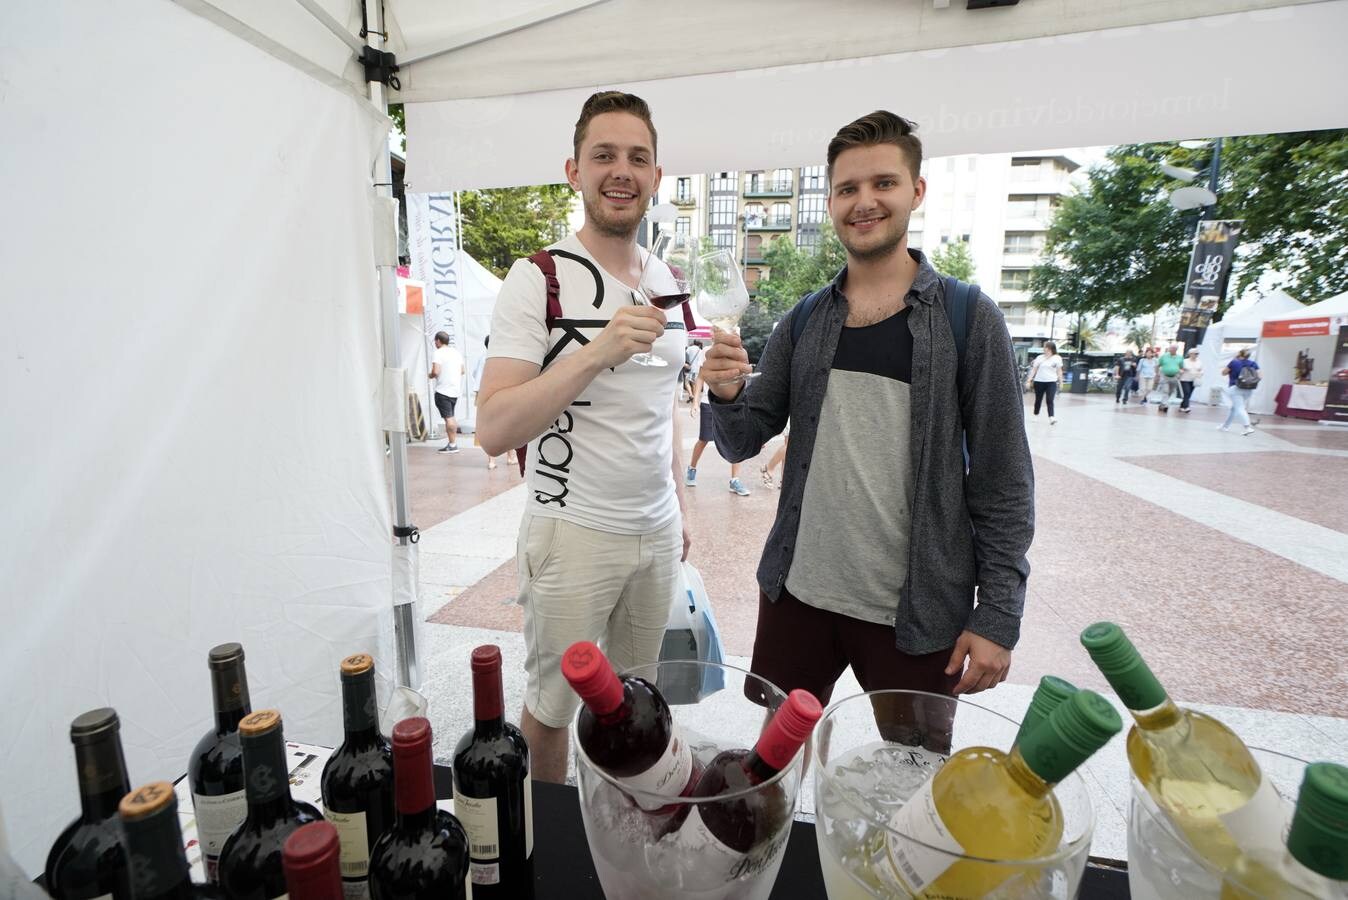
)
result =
(555, 453)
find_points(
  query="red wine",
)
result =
(493, 791)
(215, 770)
(311, 858)
(154, 842)
(425, 853)
(731, 829)
(669, 301)
(357, 779)
(89, 859)
(626, 727)
(250, 862)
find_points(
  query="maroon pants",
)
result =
(800, 646)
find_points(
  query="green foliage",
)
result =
(755, 328)
(1138, 336)
(505, 224)
(793, 273)
(395, 112)
(954, 258)
(1119, 248)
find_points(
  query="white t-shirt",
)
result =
(1192, 370)
(450, 380)
(605, 463)
(1048, 368)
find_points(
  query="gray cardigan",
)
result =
(968, 530)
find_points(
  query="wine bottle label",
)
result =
(919, 819)
(528, 816)
(217, 817)
(668, 777)
(354, 837)
(728, 864)
(1260, 823)
(478, 815)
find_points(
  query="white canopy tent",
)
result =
(247, 174)
(1314, 329)
(1242, 325)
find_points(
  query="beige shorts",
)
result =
(579, 584)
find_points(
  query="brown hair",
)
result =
(880, 127)
(607, 102)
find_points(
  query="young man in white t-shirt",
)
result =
(447, 373)
(602, 534)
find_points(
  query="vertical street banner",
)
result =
(1336, 397)
(1209, 270)
(433, 245)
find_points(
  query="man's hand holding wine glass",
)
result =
(726, 364)
(632, 330)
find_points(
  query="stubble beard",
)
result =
(607, 225)
(893, 239)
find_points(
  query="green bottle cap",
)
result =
(1122, 666)
(1319, 835)
(1081, 724)
(1047, 696)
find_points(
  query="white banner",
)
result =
(433, 244)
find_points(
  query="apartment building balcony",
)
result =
(770, 223)
(764, 188)
(685, 201)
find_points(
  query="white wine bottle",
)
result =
(1314, 864)
(1195, 768)
(993, 805)
(1050, 692)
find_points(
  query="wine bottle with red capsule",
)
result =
(626, 727)
(311, 858)
(732, 829)
(425, 853)
(493, 791)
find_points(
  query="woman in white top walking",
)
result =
(1190, 375)
(1046, 375)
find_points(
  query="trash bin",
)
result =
(1081, 377)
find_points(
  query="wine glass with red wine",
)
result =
(667, 280)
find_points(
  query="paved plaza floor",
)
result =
(1224, 556)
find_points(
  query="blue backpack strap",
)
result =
(960, 298)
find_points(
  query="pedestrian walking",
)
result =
(447, 373)
(1125, 374)
(1146, 374)
(1046, 376)
(1168, 366)
(1190, 375)
(706, 434)
(1240, 388)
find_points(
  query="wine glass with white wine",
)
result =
(722, 297)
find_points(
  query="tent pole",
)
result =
(404, 624)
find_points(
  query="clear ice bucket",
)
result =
(873, 751)
(640, 855)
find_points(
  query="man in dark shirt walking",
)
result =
(885, 555)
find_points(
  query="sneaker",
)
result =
(448, 448)
(766, 477)
(1248, 431)
(1052, 421)
(690, 477)
(737, 487)
(1223, 428)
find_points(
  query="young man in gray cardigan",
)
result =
(885, 554)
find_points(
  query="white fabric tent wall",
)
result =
(1243, 323)
(480, 288)
(188, 260)
(1277, 355)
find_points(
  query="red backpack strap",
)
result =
(688, 322)
(548, 266)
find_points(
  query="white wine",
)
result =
(1314, 865)
(1195, 768)
(982, 803)
(725, 323)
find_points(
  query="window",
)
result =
(1023, 242)
(1022, 206)
(724, 183)
(965, 237)
(683, 225)
(807, 240)
(755, 181)
(751, 277)
(1014, 312)
(724, 212)
(754, 214)
(1025, 170)
(723, 240)
(683, 191)
(781, 180)
(811, 211)
(813, 178)
(1016, 280)
(781, 214)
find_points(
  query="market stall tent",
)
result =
(1242, 325)
(210, 182)
(1313, 329)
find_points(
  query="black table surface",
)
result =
(563, 868)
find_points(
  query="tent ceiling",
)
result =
(1103, 87)
(656, 40)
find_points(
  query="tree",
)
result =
(793, 273)
(505, 224)
(954, 258)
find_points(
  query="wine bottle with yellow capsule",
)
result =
(1314, 864)
(1196, 770)
(1050, 692)
(994, 805)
